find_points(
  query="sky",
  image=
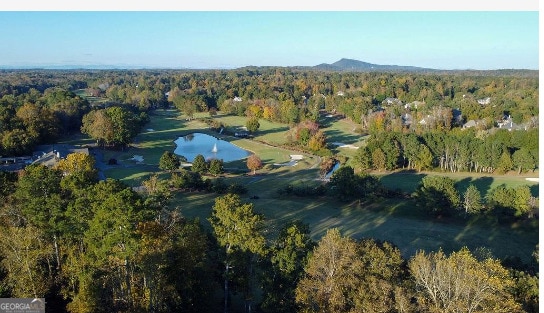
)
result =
(198, 38)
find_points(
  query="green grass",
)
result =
(398, 221)
(391, 220)
(409, 181)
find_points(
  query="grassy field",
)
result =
(409, 181)
(389, 220)
(398, 221)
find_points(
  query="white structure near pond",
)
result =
(294, 160)
(137, 158)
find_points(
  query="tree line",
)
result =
(462, 150)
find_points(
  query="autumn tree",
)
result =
(254, 163)
(343, 275)
(329, 275)
(112, 126)
(461, 283)
(79, 170)
(25, 252)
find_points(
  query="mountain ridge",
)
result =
(346, 64)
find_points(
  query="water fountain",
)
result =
(214, 149)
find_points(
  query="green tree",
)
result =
(472, 200)
(238, 229)
(363, 158)
(378, 159)
(114, 125)
(199, 164)
(288, 256)
(17, 142)
(252, 124)
(521, 200)
(505, 163)
(343, 182)
(38, 194)
(523, 160)
(112, 243)
(424, 158)
(169, 161)
(216, 167)
(438, 194)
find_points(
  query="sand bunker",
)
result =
(294, 160)
(137, 158)
(343, 145)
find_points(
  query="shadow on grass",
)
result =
(483, 184)
(334, 135)
(406, 181)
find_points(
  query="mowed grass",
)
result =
(394, 220)
(409, 181)
(389, 220)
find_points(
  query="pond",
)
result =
(334, 168)
(210, 147)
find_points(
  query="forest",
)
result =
(98, 245)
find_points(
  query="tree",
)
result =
(238, 229)
(79, 170)
(252, 124)
(25, 253)
(254, 163)
(438, 194)
(199, 164)
(288, 257)
(363, 158)
(216, 167)
(112, 244)
(114, 125)
(461, 283)
(318, 141)
(329, 275)
(521, 201)
(38, 194)
(523, 159)
(169, 161)
(505, 163)
(424, 158)
(472, 200)
(378, 159)
(343, 182)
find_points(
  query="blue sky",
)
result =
(220, 39)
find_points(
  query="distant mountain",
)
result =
(360, 66)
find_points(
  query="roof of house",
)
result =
(49, 155)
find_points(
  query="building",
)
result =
(50, 155)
